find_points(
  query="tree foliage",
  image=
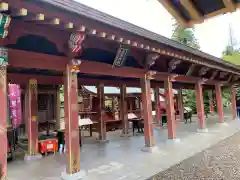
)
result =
(185, 36)
(231, 54)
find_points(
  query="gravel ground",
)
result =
(220, 162)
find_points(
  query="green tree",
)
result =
(185, 36)
(231, 54)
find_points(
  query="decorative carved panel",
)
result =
(203, 71)
(173, 64)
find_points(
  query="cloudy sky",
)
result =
(213, 35)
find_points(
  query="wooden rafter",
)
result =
(215, 13)
(188, 5)
(215, 73)
(168, 6)
(230, 6)
(191, 69)
(230, 77)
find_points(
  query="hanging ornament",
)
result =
(75, 41)
(4, 25)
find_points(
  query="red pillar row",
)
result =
(170, 109)
(147, 112)
(218, 90)
(71, 121)
(101, 112)
(200, 105)
(123, 108)
(3, 122)
(234, 105)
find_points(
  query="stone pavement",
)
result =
(122, 158)
(220, 162)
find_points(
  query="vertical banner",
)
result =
(3, 122)
(13, 103)
(19, 106)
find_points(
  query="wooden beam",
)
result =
(25, 59)
(215, 73)
(23, 79)
(238, 5)
(20, 12)
(230, 6)
(96, 68)
(215, 13)
(16, 78)
(191, 69)
(168, 6)
(58, 63)
(230, 78)
(58, 80)
(191, 79)
(188, 5)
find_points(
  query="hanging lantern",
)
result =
(4, 25)
(4, 21)
(3, 56)
(3, 33)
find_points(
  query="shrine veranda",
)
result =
(49, 44)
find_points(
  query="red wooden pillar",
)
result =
(218, 90)
(32, 119)
(147, 112)
(157, 108)
(211, 106)
(171, 121)
(130, 104)
(200, 105)
(234, 105)
(101, 112)
(123, 108)
(58, 108)
(71, 123)
(180, 105)
(3, 122)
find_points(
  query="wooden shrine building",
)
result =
(190, 12)
(55, 42)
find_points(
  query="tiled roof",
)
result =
(91, 13)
